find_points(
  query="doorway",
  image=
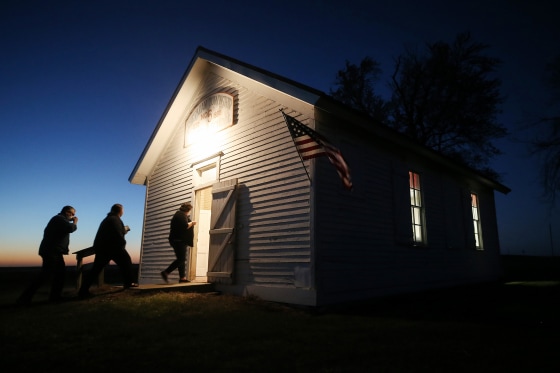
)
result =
(202, 216)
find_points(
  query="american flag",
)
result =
(311, 144)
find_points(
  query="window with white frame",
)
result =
(206, 171)
(476, 221)
(416, 208)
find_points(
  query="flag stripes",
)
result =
(311, 144)
(308, 148)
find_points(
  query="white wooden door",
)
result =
(221, 258)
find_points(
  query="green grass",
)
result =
(501, 327)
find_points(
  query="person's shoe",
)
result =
(183, 280)
(164, 277)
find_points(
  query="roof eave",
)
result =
(193, 76)
(180, 98)
(166, 124)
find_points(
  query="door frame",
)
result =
(201, 179)
(193, 254)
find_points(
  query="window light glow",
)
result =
(416, 208)
(476, 221)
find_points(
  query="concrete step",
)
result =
(187, 287)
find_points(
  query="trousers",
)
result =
(53, 268)
(102, 258)
(180, 249)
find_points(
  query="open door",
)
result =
(198, 262)
(221, 256)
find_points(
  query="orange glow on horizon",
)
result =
(18, 259)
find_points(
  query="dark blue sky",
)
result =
(83, 84)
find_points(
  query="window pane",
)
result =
(416, 215)
(417, 233)
(417, 198)
(476, 235)
(475, 214)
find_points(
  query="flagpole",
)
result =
(297, 151)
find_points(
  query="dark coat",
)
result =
(56, 236)
(110, 235)
(179, 230)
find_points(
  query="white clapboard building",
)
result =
(284, 228)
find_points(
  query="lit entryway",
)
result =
(202, 214)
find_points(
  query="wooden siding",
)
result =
(317, 243)
(360, 252)
(273, 210)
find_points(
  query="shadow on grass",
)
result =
(501, 327)
(528, 294)
(530, 303)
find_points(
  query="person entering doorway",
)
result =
(181, 236)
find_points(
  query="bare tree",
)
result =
(547, 145)
(355, 88)
(447, 99)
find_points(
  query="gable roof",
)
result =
(199, 64)
(203, 60)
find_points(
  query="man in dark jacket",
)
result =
(181, 235)
(109, 244)
(56, 239)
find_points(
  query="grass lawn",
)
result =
(506, 327)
